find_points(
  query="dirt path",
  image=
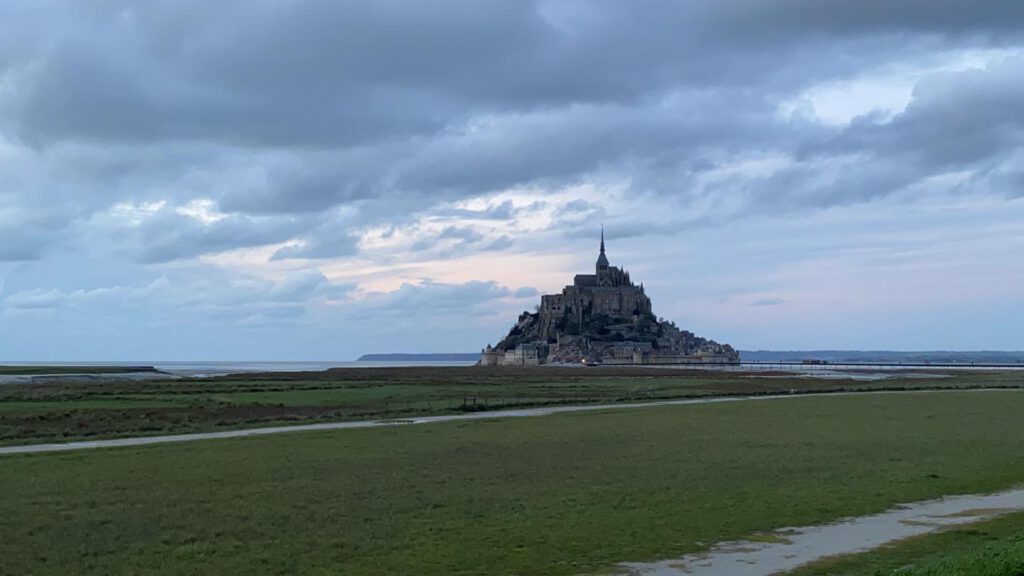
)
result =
(791, 548)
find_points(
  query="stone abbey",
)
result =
(601, 318)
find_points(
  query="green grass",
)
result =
(58, 411)
(89, 404)
(557, 495)
(992, 548)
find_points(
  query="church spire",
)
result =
(602, 260)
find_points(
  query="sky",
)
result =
(298, 180)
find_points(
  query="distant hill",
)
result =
(934, 356)
(450, 357)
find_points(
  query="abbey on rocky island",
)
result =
(602, 318)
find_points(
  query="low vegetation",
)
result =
(58, 411)
(557, 495)
(7, 370)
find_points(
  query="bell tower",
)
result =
(602, 260)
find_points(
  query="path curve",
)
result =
(517, 413)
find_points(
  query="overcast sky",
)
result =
(287, 179)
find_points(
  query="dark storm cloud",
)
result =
(314, 182)
(282, 111)
(317, 74)
(954, 120)
(785, 17)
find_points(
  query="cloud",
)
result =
(767, 301)
(526, 292)
(422, 133)
(306, 284)
(358, 72)
(502, 211)
(35, 299)
(27, 231)
(502, 242)
(954, 120)
(165, 301)
(245, 151)
(435, 299)
(325, 241)
(161, 232)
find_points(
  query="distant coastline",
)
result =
(881, 356)
(885, 356)
(449, 357)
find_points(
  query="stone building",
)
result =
(607, 292)
(600, 318)
(524, 355)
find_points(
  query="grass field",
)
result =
(56, 411)
(10, 370)
(568, 494)
(993, 548)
